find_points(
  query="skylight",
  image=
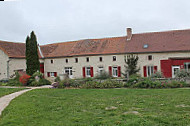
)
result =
(145, 46)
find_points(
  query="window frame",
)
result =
(88, 71)
(114, 58)
(150, 57)
(52, 74)
(149, 70)
(186, 64)
(76, 60)
(67, 60)
(115, 71)
(69, 69)
(100, 70)
(51, 61)
(87, 59)
(100, 59)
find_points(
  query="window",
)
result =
(187, 66)
(76, 60)
(115, 71)
(51, 61)
(100, 70)
(52, 74)
(88, 72)
(87, 59)
(150, 70)
(69, 71)
(145, 46)
(150, 57)
(66, 60)
(114, 58)
(100, 58)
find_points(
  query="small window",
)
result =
(150, 57)
(145, 46)
(114, 58)
(66, 60)
(51, 61)
(87, 59)
(100, 58)
(76, 60)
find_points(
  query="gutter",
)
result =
(8, 68)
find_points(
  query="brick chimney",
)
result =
(129, 34)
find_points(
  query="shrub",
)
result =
(105, 84)
(24, 79)
(102, 76)
(158, 74)
(90, 84)
(133, 79)
(14, 82)
(183, 74)
(69, 83)
(57, 79)
(40, 82)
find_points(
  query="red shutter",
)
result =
(83, 70)
(155, 69)
(119, 71)
(48, 74)
(91, 71)
(110, 70)
(55, 74)
(144, 68)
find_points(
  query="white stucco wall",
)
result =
(143, 59)
(3, 64)
(59, 63)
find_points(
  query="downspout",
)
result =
(8, 68)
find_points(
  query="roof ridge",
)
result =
(83, 40)
(168, 31)
(12, 42)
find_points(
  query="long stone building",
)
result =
(167, 51)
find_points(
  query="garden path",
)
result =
(5, 100)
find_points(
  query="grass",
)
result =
(84, 107)
(6, 91)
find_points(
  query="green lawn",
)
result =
(6, 91)
(84, 107)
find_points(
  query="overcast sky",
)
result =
(67, 20)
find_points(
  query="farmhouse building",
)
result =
(167, 51)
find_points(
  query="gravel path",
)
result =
(5, 100)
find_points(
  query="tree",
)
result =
(32, 59)
(131, 65)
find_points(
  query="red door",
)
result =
(42, 67)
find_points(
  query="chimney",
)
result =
(129, 34)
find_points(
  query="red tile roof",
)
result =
(14, 50)
(169, 41)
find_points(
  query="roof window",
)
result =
(145, 46)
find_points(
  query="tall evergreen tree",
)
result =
(131, 65)
(32, 59)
